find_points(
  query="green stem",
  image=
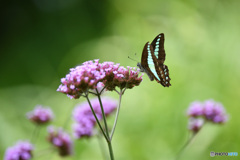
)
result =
(102, 90)
(92, 93)
(35, 134)
(106, 127)
(103, 114)
(44, 152)
(110, 149)
(117, 114)
(101, 145)
(184, 146)
(100, 126)
(188, 141)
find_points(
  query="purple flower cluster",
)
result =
(40, 115)
(21, 151)
(210, 110)
(85, 120)
(61, 140)
(118, 76)
(195, 124)
(89, 74)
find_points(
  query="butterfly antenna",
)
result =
(132, 59)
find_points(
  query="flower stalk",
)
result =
(105, 133)
(200, 114)
(98, 122)
(94, 78)
(103, 113)
(35, 134)
(185, 146)
(117, 114)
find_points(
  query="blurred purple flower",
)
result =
(89, 74)
(82, 114)
(210, 110)
(61, 140)
(195, 109)
(40, 115)
(21, 151)
(214, 111)
(83, 129)
(195, 124)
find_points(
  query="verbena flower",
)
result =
(89, 74)
(195, 109)
(83, 129)
(195, 124)
(210, 110)
(61, 140)
(214, 111)
(118, 76)
(85, 121)
(81, 79)
(21, 151)
(40, 115)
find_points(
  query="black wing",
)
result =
(159, 52)
(158, 48)
(149, 62)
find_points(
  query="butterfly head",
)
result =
(140, 67)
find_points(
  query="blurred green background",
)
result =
(42, 39)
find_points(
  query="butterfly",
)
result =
(152, 62)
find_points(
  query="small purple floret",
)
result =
(195, 109)
(61, 140)
(85, 120)
(21, 151)
(214, 111)
(195, 124)
(83, 129)
(40, 115)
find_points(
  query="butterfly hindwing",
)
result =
(166, 73)
(163, 72)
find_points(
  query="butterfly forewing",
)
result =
(158, 48)
(149, 61)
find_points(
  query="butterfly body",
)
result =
(152, 61)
